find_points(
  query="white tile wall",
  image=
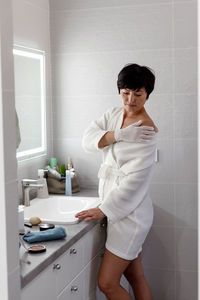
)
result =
(100, 30)
(162, 283)
(25, 18)
(96, 72)
(162, 196)
(186, 248)
(185, 31)
(73, 106)
(91, 41)
(186, 285)
(42, 4)
(185, 105)
(185, 71)
(186, 205)
(185, 160)
(86, 74)
(159, 248)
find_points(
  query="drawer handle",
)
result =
(56, 267)
(103, 225)
(73, 251)
(74, 288)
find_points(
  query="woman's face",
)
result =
(133, 100)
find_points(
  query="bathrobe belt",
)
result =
(106, 170)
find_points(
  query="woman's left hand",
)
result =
(90, 214)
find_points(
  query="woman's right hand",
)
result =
(134, 133)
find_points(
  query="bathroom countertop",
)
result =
(39, 261)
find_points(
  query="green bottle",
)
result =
(62, 169)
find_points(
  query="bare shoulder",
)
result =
(149, 122)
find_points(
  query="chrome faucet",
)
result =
(27, 185)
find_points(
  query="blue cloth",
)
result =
(46, 235)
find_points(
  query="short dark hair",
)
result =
(134, 77)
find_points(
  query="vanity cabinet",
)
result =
(84, 285)
(73, 275)
(68, 265)
(42, 287)
(81, 265)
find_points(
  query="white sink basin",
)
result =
(59, 209)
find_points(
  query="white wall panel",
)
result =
(91, 41)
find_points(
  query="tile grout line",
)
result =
(173, 150)
(46, 10)
(171, 269)
(53, 11)
(117, 95)
(62, 53)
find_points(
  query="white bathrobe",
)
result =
(124, 179)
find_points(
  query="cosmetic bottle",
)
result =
(68, 184)
(53, 163)
(53, 172)
(21, 219)
(69, 163)
(42, 192)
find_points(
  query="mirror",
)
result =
(30, 100)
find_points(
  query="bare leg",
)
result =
(111, 270)
(135, 275)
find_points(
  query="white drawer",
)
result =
(74, 291)
(68, 265)
(84, 285)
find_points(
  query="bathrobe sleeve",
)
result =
(124, 199)
(95, 132)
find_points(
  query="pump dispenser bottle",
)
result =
(68, 184)
(69, 163)
(42, 192)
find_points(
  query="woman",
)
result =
(128, 156)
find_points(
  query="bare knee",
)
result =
(106, 285)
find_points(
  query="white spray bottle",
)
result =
(42, 192)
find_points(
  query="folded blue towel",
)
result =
(47, 235)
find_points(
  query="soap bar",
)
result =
(35, 220)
